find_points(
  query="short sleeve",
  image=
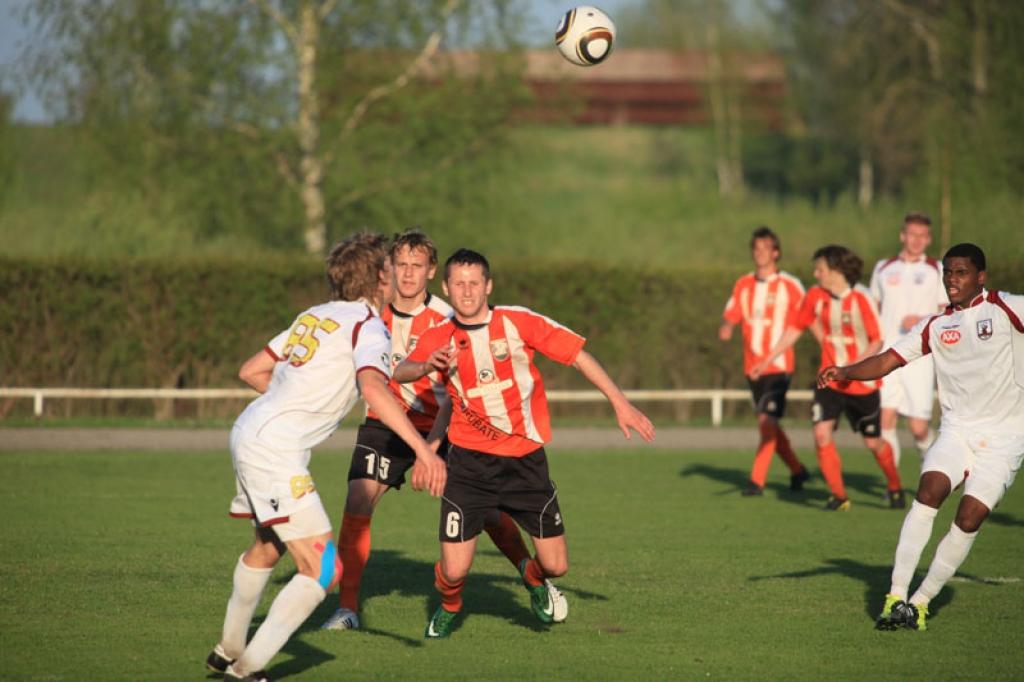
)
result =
(276, 346)
(1013, 304)
(732, 312)
(551, 339)
(371, 347)
(915, 343)
(431, 340)
(876, 285)
(805, 316)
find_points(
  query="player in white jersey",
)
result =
(310, 377)
(907, 288)
(978, 348)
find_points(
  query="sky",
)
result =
(542, 17)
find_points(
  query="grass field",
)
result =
(117, 566)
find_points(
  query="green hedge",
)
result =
(191, 323)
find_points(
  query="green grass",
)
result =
(117, 566)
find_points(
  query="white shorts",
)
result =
(275, 490)
(910, 390)
(986, 465)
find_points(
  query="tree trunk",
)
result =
(946, 203)
(719, 114)
(866, 181)
(979, 57)
(310, 164)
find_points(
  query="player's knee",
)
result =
(328, 571)
(556, 568)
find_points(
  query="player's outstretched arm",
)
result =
(409, 371)
(628, 416)
(874, 367)
(257, 371)
(429, 473)
(786, 341)
(725, 330)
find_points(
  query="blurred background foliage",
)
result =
(182, 132)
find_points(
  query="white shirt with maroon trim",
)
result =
(978, 352)
(902, 288)
(314, 382)
(423, 398)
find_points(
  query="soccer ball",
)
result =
(585, 35)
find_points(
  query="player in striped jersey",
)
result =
(381, 458)
(978, 349)
(848, 321)
(765, 302)
(499, 426)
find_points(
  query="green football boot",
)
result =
(540, 597)
(440, 624)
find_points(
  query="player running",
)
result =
(310, 376)
(499, 426)
(847, 320)
(978, 348)
(765, 302)
(907, 288)
(381, 458)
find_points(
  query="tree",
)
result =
(250, 113)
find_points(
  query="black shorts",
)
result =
(769, 393)
(479, 483)
(381, 455)
(863, 411)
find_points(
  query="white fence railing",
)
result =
(716, 396)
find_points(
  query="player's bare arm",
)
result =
(429, 473)
(725, 331)
(628, 416)
(440, 426)
(408, 371)
(786, 341)
(257, 370)
(868, 369)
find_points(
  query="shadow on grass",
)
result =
(1003, 519)
(389, 572)
(870, 488)
(876, 581)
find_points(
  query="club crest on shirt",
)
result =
(499, 349)
(847, 318)
(412, 342)
(950, 337)
(919, 278)
(985, 329)
(485, 376)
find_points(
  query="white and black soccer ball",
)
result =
(585, 35)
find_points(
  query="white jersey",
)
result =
(979, 362)
(902, 288)
(314, 382)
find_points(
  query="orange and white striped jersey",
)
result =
(765, 308)
(849, 324)
(421, 399)
(499, 404)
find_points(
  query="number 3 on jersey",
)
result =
(302, 341)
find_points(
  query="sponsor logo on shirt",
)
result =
(486, 376)
(499, 349)
(893, 280)
(480, 391)
(396, 359)
(985, 329)
(950, 337)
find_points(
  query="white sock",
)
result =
(926, 442)
(917, 529)
(892, 438)
(245, 597)
(290, 609)
(951, 552)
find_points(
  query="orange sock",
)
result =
(763, 458)
(832, 469)
(885, 459)
(354, 548)
(534, 574)
(785, 451)
(451, 593)
(508, 539)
